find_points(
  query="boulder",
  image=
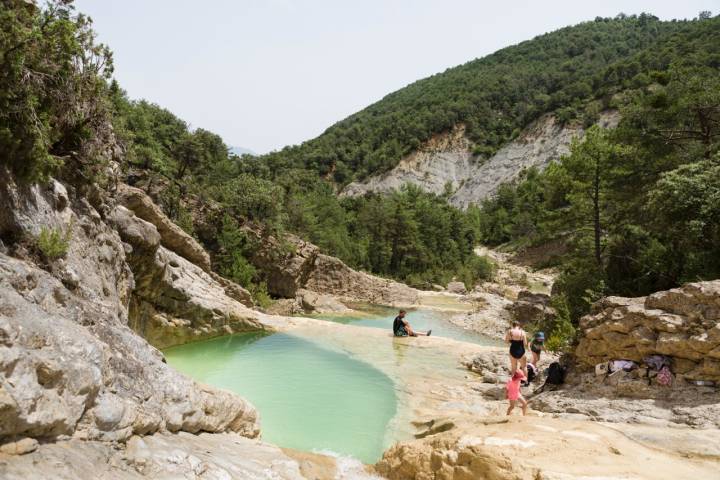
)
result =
(313, 302)
(287, 264)
(331, 276)
(532, 308)
(234, 291)
(456, 287)
(172, 237)
(176, 302)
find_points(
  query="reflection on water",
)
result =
(309, 397)
(400, 350)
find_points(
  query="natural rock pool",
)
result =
(326, 387)
(309, 397)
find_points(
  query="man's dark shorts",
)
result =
(401, 332)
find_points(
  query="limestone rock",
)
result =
(456, 287)
(332, 276)
(19, 447)
(287, 265)
(69, 366)
(532, 308)
(176, 302)
(294, 266)
(173, 237)
(233, 290)
(313, 302)
(69, 363)
(137, 232)
(502, 449)
(681, 323)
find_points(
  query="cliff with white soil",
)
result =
(447, 159)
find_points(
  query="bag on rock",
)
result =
(556, 374)
(532, 372)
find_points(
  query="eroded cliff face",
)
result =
(70, 365)
(175, 301)
(448, 159)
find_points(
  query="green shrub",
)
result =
(53, 243)
(562, 333)
(260, 295)
(477, 268)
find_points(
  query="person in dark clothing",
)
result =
(537, 346)
(401, 327)
(517, 339)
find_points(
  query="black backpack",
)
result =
(532, 372)
(556, 374)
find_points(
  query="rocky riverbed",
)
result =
(85, 392)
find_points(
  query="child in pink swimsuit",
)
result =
(513, 392)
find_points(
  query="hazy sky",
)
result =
(269, 73)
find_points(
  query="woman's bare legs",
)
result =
(511, 406)
(523, 365)
(536, 358)
(513, 365)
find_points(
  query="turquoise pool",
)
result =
(309, 397)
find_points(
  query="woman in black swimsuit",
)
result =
(517, 339)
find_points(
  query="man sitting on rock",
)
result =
(401, 327)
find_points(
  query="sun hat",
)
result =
(540, 335)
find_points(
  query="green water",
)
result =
(420, 320)
(309, 397)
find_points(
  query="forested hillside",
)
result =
(638, 204)
(573, 71)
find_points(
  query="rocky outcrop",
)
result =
(174, 301)
(293, 267)
(683, 323)
(313, 302)
(172, 237)
(332, 276)
(69, 363)
(457, 287)
(447, 159)
(287, 264)
(532, 307)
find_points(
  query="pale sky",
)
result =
(268, 73)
